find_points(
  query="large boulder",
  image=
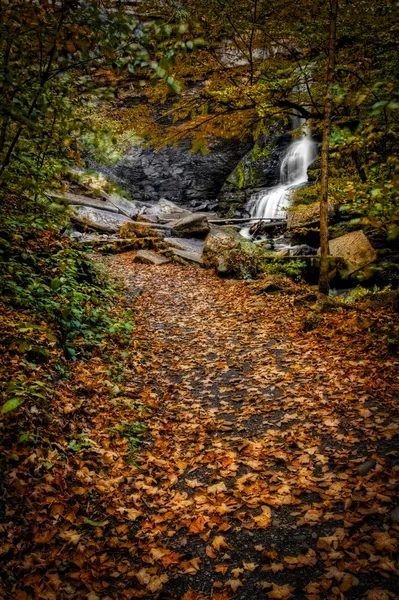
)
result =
(100, 220)
(306, 215)
(192, 226)
(355, 248)
(229, 253)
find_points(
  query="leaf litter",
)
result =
(269, 467)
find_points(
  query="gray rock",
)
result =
(150, 258)
(124, 206)
(187, 178)
(222, 245)
(76, 235)
(194, 257)
(302, 250)
(168, 207)
(98, 219)
(77, 200)
(192, 226)
(187, 244)
(367, 466)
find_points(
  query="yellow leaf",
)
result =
(217, 488)
(234, 584)
(282, 592)
(265, 518)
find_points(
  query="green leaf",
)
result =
(11, 405)
(55, 284)
(95, 523)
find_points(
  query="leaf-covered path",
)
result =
(268, 468)
(271, 468)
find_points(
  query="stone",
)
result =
(367, 466)
(98, 219)
(192, 226)
(302, 250)
(194, 257)
(146, 218)
(305, 215)
(150, 258)
(78, 200)
(186, 178)
(124, 206)
(170, 208)
(186, 244)
(355, 248)
(223, 245)
(141, 230)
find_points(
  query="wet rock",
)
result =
(367, 466)
(98, 219)
(314, 170)
(259, 168)
(355, 248)
(150, 258)
(302, 250)
(192, 226)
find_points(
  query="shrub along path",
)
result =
(270, 464)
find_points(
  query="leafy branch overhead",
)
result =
(58, 60)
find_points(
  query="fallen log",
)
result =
(214, 221)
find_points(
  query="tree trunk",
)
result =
(328, 102)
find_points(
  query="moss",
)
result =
(261, 152)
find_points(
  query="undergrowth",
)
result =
(57, 304)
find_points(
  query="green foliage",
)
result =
(21, 389)
(360, 293)
(60, 64)
(60, 284)
(133, 432)
(294, 269)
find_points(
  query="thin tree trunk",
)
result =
(328, 103)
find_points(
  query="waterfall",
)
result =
(271, 202)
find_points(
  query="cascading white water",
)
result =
(271, 202)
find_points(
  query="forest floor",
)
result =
(269, 467)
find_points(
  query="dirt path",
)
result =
(271, 465)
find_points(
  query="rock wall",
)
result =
(187, 178)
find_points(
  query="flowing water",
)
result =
(271, 203)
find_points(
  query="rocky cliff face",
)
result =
(187, 178)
